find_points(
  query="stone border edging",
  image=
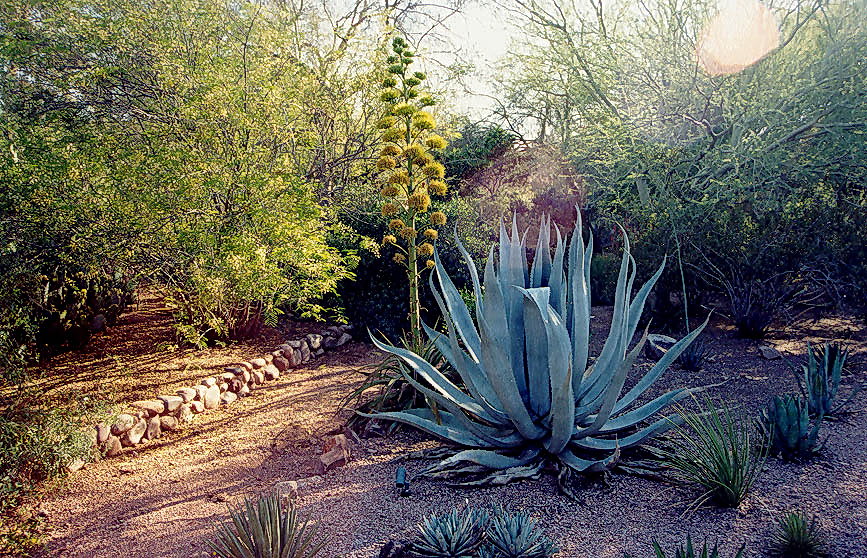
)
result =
(148, 419)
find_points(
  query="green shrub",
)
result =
(788, 427)
(797, 536)
(689, 551)
(36, 445)
(265, 528)
(715, 451)
(603, 278)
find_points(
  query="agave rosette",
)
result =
(528, 395)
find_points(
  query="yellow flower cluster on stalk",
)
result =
(409, 171)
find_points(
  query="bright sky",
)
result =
(484, 37)
(742, 32)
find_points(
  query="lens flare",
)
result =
(742, 33)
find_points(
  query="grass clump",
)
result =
(263, 527)
(797, 536)
(716, 451)
(689, 551)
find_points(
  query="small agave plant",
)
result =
(456, 534)
(529, 397)
(791, 432)
(516, 535)
(820, 381)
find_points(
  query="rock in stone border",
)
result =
(152, 418)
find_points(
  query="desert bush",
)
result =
(797, 536)
(714, 450)
(474, 146)
(37, 444)
(265, 527)
(256, 271)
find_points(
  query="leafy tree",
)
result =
(737, 166)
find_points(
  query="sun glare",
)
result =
(741, 34)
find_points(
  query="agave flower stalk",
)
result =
(410, 174)
(532, 394)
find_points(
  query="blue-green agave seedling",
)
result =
(820, 381)
(455, 534)
(791, 432)
(516, 535)
(528, 396)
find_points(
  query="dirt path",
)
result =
(166, 500)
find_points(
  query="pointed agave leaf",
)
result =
(538, 372)
(637, 306)
(661, 366)
(614, 389)
(505, 476)
(557, 281)
(541, 272)
(457, 310)
(474, 378)
(496, 362)
(436, 379)
(471, 267)
(613, 349)
(636, 416)
(498, 435)
(578, 314)
(551, 334)
(576, 463)
(424, 419)
(485, 459)
(634, 439)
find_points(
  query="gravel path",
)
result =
(166, 500)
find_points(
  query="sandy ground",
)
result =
(165, 499)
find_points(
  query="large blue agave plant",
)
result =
(528, 395)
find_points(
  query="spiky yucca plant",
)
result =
(456, 534)
(797, 536)
(820, 380)
(689, 551)
(262, 528)
(529, 396)
(714, 450)
(790, 431)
